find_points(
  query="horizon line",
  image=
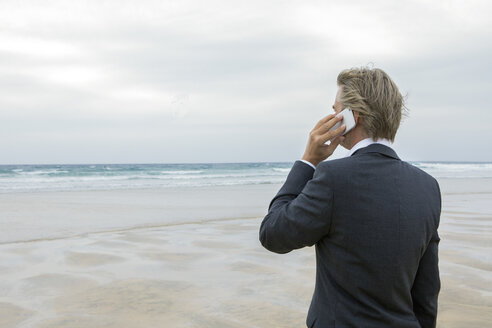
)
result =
(198, 163)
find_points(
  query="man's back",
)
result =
(374, 221)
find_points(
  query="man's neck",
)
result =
(357, 135)
(355, 141)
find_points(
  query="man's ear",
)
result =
(356, 117)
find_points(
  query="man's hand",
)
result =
(316, 150)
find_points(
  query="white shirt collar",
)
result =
(366, 142)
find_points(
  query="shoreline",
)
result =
(48, 215)
(141, 189)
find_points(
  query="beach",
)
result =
(190, 257)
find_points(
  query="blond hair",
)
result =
(376, 97)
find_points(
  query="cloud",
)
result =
(256, 74)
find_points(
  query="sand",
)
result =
(191, 258)
(213, 274)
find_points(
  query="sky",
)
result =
(147, 81)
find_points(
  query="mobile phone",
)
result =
(348, 120)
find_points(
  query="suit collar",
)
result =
(377, 148)
(366, 142)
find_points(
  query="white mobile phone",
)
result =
(348, 120)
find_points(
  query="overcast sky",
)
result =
(233, 81)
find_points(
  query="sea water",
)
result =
(27, 178)
(33, 178)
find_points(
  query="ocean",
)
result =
(34, 178)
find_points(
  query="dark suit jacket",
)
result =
(374, 220)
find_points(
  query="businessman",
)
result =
(372, 218)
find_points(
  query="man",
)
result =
(372, 217)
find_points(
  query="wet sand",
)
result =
(466, 253)
(213, 274)
(208, 270)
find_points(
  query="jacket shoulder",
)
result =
(418, 172)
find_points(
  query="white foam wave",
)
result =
(42, 172)
(457, 170)
(456, 167)
(140, 184)
(182, 172)
(281, 169)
